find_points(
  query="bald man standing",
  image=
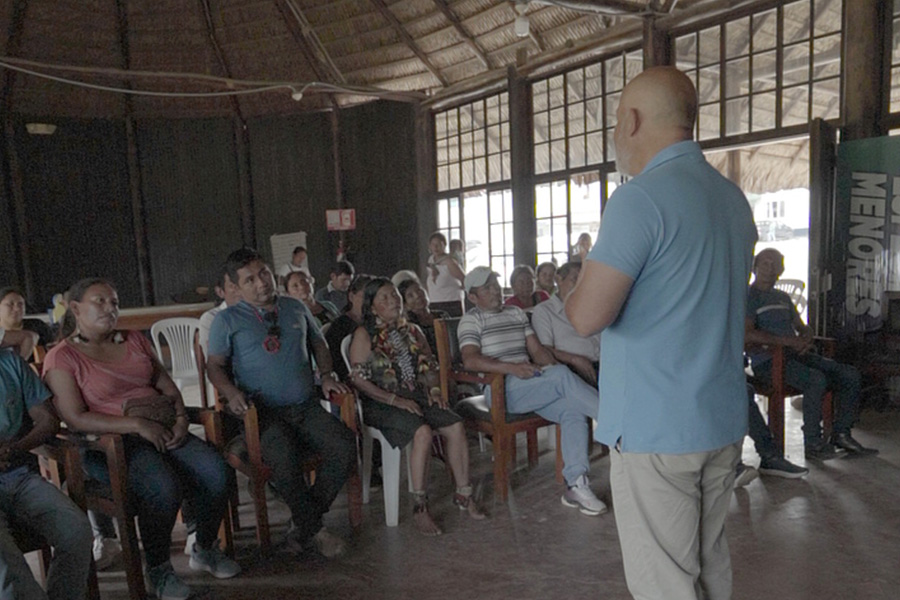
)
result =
(666, 282)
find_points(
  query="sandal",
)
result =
(464, 500)
(422, 518)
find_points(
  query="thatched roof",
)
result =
(766, 168)
(417, 47)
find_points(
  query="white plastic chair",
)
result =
(390, 460)
(179, 335)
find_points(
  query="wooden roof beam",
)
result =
(466, 36)
(408, 40)
(217, 50)
(295, 27)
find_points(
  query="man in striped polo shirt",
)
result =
(498, 338)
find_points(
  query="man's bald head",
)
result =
(666, 98)
(657, 109)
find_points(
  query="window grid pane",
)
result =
(571, 111)
(739, 91)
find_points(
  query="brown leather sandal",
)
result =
(463, 499)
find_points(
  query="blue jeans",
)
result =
(289, 435)
(157, 484)
(32, 506)
(814, 375)
(759, 430)
(560, 396)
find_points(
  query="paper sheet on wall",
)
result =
(283, 245)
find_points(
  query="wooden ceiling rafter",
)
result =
(408, 40)
(315, 43)
(466, 36)
(220, 55)
(13, 48)
(312, 59)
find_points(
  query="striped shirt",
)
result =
(500, 335)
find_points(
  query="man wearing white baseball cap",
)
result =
(498, 338)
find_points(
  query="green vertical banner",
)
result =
(867, 234)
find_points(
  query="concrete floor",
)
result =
(835, 534)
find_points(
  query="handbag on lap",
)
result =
(154, 408)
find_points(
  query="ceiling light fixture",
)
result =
(522, 26)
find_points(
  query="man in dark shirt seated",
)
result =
(28, 504)
(773, 319)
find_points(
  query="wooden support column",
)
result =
(657, 45)
(19, 229)
(242, 155)
(822, 264)
(138, 218)
(733, 167)
(338, 173)
(241, 138)
(521, 133)
(866, 82)
(426, 183)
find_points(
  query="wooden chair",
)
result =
(112, 499)
(777, 390)
(200, 360)
(243, 451)
(55, 457)
(37, 356)
(494, 421)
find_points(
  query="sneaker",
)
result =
(819, 450)
(846, 442)
(106, 551)
(328, 544)
(744, 474)
(189, 543)
(166, 584)
(213, 561)
(581, 497)
(781, 467)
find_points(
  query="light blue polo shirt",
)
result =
(671, 375)
(281, 378)
(21, 390)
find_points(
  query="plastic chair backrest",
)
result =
(345, 350)
(792, 287)
(179, 335)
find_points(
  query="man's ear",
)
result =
(472, 298)
(632, 122)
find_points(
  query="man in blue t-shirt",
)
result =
(772, 318)
(666, 283)
(259, 352)
(31, 508)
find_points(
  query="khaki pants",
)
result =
(670, 512)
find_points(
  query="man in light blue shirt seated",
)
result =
(666, 283)
(30, 508)
(259, 351)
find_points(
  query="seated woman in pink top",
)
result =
(92, 372)
(522, 283)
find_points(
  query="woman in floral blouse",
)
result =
(394, 368)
